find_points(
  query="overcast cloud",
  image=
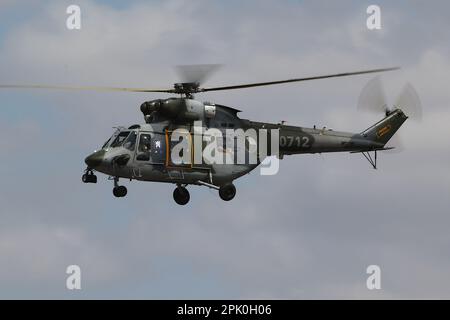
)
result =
(308, 232)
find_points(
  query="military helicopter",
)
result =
(146, 151)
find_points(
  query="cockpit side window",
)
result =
(130, 142)
(120, 139)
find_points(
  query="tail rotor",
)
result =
(409, 102)
(373, 99)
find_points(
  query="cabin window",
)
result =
(145, 143)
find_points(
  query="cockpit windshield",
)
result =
(106, 143)
(130, 142)
(120, 139)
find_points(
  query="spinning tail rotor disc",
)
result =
(373, 99)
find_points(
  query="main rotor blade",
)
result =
(259, 84)
(143, 90)
(196, 73)
(85, 88)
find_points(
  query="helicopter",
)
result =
(180, 127)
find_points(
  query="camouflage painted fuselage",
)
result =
(128, 161)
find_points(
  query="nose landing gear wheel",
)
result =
(120, 191)
(89, 177)
(181, 195)
(227, 192)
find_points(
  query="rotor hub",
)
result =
(187, 88)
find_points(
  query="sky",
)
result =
(308, 232)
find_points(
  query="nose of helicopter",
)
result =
(95, 159)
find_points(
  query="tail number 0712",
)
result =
(297, 141)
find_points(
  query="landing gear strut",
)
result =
(227, 192)
(372, 161)
(89, 176)
(119, 191)
(181, 195)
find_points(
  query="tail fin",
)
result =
(382, 131)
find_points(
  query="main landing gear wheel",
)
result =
(181, 195)
(120, 191)
(227, 192)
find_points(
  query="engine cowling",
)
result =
(179, 108)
